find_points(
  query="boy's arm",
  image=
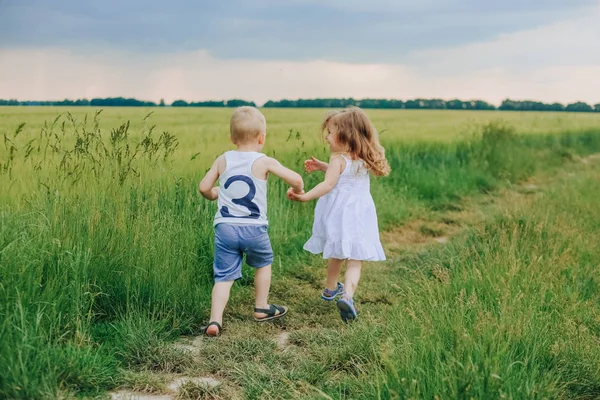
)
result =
(332, 175)
(207, 185)
(290, 177)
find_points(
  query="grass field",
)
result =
(201, 129)
(106, 260)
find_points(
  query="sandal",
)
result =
(347, 308)
(213, 334)
(273, 312)
(329, 295)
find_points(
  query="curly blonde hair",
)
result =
(355, 130)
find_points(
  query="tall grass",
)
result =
(515, 315)
(106, 249)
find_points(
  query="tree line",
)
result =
(124, 102)
(425, 104)
(434, 104)
(416, 104)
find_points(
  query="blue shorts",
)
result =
(232, 242)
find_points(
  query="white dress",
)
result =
(345, 225)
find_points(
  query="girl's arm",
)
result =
(332, 175)
(315, 165)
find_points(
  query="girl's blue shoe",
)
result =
(347, 309)
(332, 294)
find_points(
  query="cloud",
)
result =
(571, 42)
(55, 74)
(380, 31)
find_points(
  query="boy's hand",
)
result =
(293, 195)
(314, 165)
(207, 186)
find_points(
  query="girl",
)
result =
(345, 225)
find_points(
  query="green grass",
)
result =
(517, 316)
(205, 130)
(106, 258)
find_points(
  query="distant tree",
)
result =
(423, 103)
(393, 104)
(597, 107)
(281, 103)
(412, 104)
(437, 104)
(455, 105)
(209, 103)
(179, 103)
(482, 105)
(120, 102)
(508, 105)
(162, 103)
(66, 102)
(579, 107)
(528, 105)
(374, 103)
(239, 103)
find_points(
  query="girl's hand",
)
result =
(315, 165)
(292, 195)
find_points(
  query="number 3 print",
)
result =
(245, 201)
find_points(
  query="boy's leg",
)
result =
(259, 255)
(220, 297)
(227, 268)
(352, 277)
(262, 285)
(334, 266)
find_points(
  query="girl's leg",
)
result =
(352, 276)
(346, 304)
(334, 266)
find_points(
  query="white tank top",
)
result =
(242, 196)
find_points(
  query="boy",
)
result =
(241, 219)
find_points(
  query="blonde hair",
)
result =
(246, 123)
(355, 130)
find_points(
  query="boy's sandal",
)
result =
(211, 333)
(273, 312)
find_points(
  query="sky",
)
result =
(547, 50)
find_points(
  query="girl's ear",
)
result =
(261, 138)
